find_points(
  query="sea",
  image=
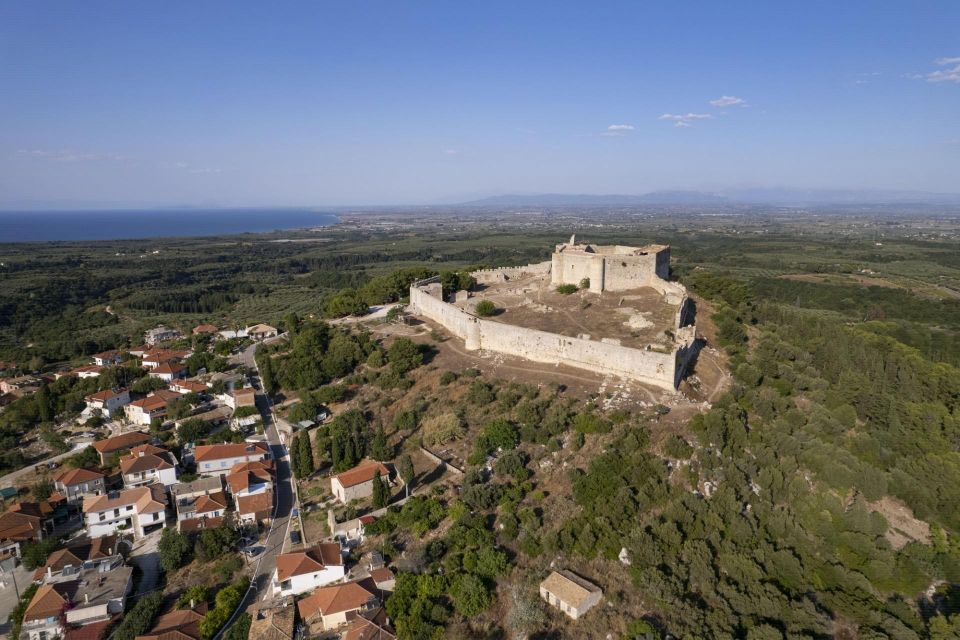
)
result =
(43, 226)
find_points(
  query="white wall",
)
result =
(309, 581)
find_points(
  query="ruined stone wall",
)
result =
(571, 268)
(504, 274)
(628, 272)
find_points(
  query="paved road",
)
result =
(10, 479)
(267, 561)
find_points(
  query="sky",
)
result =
(129, 104)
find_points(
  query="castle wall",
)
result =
(628, 272)
(571, 268)
(489, 276)
(651, 367)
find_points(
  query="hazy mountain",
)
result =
(774, 196)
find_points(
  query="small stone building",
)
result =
(357, 483)
(568, 592)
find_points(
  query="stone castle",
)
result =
(608, 269)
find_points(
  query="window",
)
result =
(103, 516)
(116, 513)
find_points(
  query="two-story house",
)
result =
(147, 464)
(124, 442)
(145, 410)
(219, 459)
(101, 554)
(83, 599)
(201, 512)
(302, 571)
(251, 484)
(23, 522)
(75, 484)
(108, 401)
(141, 509)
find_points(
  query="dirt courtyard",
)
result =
(636, 318)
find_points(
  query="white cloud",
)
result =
(684, 119)
(729, 101)
(617, 130)
(68, 156)
(951, 72)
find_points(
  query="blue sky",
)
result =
(322, 103)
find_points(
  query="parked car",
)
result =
(295, 537)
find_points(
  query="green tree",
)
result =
(44, 404)
(138, 619)
(380, 449)
(305, 455)
(267, 377)
(485, 308)
(406, 471)
(16, 616)
(346, 302)
(404, 355)
(174, 549)
(471, 597)
(381, 493)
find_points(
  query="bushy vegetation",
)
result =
(138, 619)
(226, 602)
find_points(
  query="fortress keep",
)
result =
(630, 322)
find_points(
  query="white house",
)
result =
(201, 512)
(261, 332)
(570, 593)
(148, 464)
(219, 459)
(87, 598)
(169, 371)
(303, 571)
(244, 397)
(145, 410)
(251, 485)
(141, 509)
(107, 358)
(76, 484)
(108, 401)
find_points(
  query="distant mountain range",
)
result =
(782, 197)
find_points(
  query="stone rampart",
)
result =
(504, 274)
(663, 369)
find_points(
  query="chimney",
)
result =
(86, 598)
(192, 603)
(49, 571)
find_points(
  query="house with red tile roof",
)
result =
(23, 522)
(146, 410)
(97, 552)
(107, 358)
(169, 371)
(75, 484)
(302, 571)
(371, 624)
(109, 446)
(201, 512)
(204, 328)
(219, 459)
(147, 464)
(330, 608)
(141, 509)
(108, 401)
(179, 624)
(357, 483)
(188, 386)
